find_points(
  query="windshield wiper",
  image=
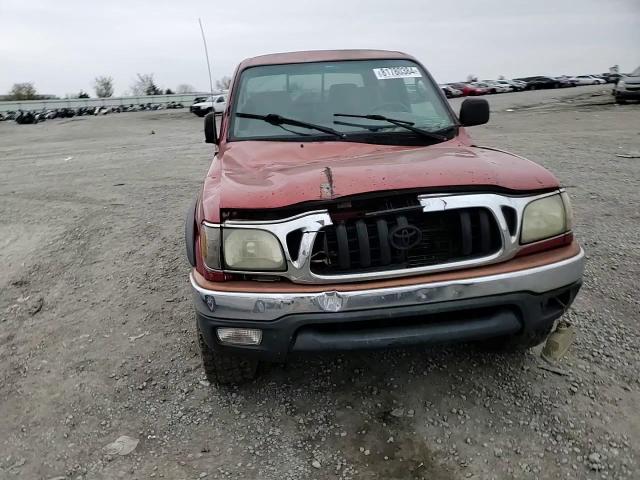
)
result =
(399, 123)
(275, 119)
(372, 128)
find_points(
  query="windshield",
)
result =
(315, 92)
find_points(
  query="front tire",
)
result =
(224, 368)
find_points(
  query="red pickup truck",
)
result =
(346, 207)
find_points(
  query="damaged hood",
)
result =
(258, 174)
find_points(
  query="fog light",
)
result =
(240, 336)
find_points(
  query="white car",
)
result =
(587, 80)
(501, 86)
(492, 86)
(628, 87)
(215, 103)
(449, 91)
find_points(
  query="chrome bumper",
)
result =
(271, 306)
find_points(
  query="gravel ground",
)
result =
(97, 332)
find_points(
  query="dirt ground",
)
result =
(97, 331)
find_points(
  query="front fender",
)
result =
(190, 232)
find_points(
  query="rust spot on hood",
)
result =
(326, 188)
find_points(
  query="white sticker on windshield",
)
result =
(396, 72)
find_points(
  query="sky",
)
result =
(62, 45)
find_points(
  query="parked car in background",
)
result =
(215, 103)
(196, 101)
(613, 77)
(450, 92)
(9, 115)
(628, 87)
(518, 85)
(468, 89)
(510, 83)
(588, 80)
(489, 89)
(566, 81)
(540, 81)
(498, 86)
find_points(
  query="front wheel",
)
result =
(226, 368)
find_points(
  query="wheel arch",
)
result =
(190, 227)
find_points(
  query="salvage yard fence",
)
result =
(38, 105)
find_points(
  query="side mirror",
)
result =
(210, 133)
(474, 111)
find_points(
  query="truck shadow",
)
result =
(405, 414)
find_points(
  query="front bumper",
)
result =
(472, 307)
(628, 94)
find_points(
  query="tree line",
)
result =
(103, 86)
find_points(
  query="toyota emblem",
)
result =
(404, 237)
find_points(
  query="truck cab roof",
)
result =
(320, 56)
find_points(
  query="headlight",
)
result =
(568, 210)
(255, 250)
(545, 218)
(210, 243)
(621, 85)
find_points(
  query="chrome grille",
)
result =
(298, 233)
(370, 243)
